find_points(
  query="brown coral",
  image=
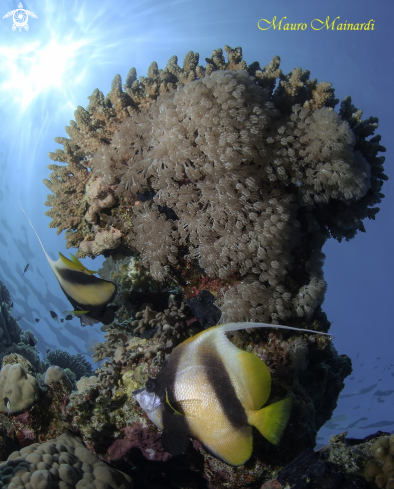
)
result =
(381, 468)
(63, 462)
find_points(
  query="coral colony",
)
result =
(211, 191)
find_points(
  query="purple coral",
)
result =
(138, 436)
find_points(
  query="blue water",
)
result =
(74, 47)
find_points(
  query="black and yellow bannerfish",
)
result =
(89, 295)
(212, 391)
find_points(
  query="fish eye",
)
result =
(150, 385)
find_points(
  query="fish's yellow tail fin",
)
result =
(271, 420)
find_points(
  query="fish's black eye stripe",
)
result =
(221, 384)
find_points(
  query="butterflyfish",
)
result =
(89, 295)
(210, 390)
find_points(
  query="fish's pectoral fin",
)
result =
(187, 407)
(173, 409)
(271, 420)
(174, 441)
(87, 320)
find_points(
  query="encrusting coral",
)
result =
(18, 386)
(381, 468)
(214, 174)
(61, 463)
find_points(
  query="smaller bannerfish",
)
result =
(89, 295)
(210, 390)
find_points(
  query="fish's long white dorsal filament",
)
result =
(245, 325)
(42, 246)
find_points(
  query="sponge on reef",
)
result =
(20, 387)
(63, 463)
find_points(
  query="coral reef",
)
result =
(338, 465)
(61, 463)
(76, 363)
(85, 382)
(9, 327)
(213, 174)
(40, 420)
(344, 463)
(211, 191)
(12, 338)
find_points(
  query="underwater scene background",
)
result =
(72, 48)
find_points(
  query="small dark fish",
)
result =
(361, 364)
(26, 269)
(18, 318)
(53, 315)
(378, 358)
(7, 405)
(68, 317)
(352, 378)
(37, 320)
(62, 320)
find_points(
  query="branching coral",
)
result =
(218, 168)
